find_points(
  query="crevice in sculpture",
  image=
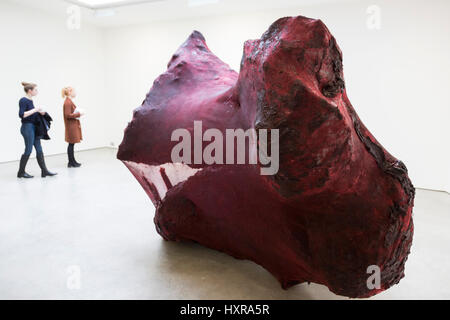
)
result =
(339, 202)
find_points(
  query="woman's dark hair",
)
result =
(28, 86)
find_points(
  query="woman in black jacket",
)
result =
(29, 115)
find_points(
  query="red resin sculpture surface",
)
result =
(339, 202)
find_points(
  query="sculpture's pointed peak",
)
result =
(196, 40)
(197, 35)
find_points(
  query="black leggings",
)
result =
(70, 152)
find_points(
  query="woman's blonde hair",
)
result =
(27, 86)
(65, 92)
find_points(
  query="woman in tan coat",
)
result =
(72, 124)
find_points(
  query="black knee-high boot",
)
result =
(70, 153)
(44, 170)
(23, 164)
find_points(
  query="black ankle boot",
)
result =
(72, 162)
(44, 170)
(74, 165)
(23, 164)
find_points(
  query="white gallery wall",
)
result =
(38, 47)
(397, 77)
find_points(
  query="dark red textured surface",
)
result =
(339, 203)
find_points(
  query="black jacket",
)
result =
(42, 125)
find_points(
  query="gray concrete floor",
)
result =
(88, 234)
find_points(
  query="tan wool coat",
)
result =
(72, 124)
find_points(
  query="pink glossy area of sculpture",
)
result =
(339, 202)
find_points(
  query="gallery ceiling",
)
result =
(109, 13)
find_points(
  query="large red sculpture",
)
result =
(339, 202)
